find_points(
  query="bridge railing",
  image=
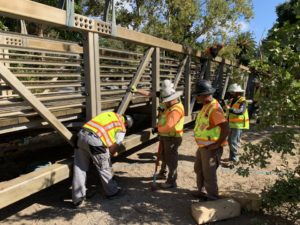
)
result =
(51, 82)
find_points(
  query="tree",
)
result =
(279, 70)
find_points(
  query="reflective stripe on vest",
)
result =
(204, 136)
(238, 121)
(177, 131)
(106, 125)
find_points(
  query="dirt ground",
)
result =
(140, 205)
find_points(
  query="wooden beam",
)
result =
(17, 85)
(142, 67)
(180, 71)
(225, 85)
(16, 189)
(187, 86)
(155, 84)
(33, 11)
(91, 75)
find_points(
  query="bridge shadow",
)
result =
(139, 205)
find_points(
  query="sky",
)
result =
(264, 17)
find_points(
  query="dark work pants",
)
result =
(170, 151)
(206, 164)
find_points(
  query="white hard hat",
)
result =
(169, 94)
(235, 88)
(167, 84)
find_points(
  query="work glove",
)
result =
(133, 89)
(154, 130)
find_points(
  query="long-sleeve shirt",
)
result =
(240, 110)
(172, 120)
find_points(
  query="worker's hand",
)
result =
(133, 89)
(160, 109)
(113, 149)
(154, 130)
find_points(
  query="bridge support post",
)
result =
(155, 83)
(92, 74)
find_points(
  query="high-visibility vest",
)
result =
(106, 125)
(238, 121)
(177, 130)
(204, 136)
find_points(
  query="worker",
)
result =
(98, 139)
(211, 130)
(256, 97)
(162, 175)
(170, 130)
(214, 50)
(238, 118)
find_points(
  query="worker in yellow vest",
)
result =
(162, 175)
(98, 139)
(237, 111)
(170, 130)
(211, 130)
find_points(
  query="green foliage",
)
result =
(283, 197)
(278, 70)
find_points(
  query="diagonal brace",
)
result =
(19, 87)
(135, 80)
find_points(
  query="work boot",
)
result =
(161, 176)
(120, 193)
(78, 204)
(167, 185)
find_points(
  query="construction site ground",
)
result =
(140, 205)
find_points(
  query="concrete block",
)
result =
(211, 211)
(248, 201)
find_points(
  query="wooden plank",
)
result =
(35, 103)
(225, 85)
(180, 71)
(33, 11)
(187, 87)
(26, 41)
(97, 73)
(25, 185)
(155, 84)
(89, 75)
(142, 67)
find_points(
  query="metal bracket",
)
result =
(70, 13)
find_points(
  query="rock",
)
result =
(248, 201)
(211, 211)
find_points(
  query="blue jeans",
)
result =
(234, 140)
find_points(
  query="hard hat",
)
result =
(167, 84)
(169, 94)
(128, 121)
(203, 87)
(235, 88)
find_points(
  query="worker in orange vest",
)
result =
(170, 130)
